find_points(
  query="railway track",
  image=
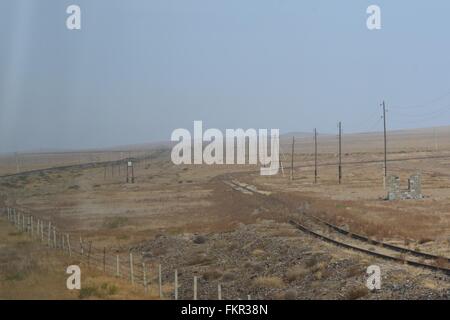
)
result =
(379, 243)
(388, 251)
(370, 252)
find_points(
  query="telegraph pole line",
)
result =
(315, 155)
(292, 159)
(385, 143)
(340, 153)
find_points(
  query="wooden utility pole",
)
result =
(340, 153)
(315, 155)
(292, 159)
(385, 144)
(17, 163)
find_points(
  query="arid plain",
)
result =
(229, 225)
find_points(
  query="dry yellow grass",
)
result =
(29, 270)
(268, 282)
(296, 273)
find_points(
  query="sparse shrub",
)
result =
(354, 270)
(15, 276)
(290, 294)
(228, 276)
(199, 239)
(74, 187)
(212, 274)
(199, 259)
(311, 262)
(115, 222)
(296, 273)
(321, 266)
(268, 282)
(102, 291)
(87, 292)
(258, 252)
(356, 293)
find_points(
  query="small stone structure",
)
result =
(414, 190)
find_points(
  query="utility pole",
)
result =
(340, 153)
(435, 140)
(17, 163)
(292, 159)
(385, 144)
(315, 155)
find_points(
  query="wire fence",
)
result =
(130, 267)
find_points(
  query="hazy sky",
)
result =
(139, 69)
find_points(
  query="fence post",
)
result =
(249, 297)
(104, 259)
(144, 273)
(31, 227)
(160, 281)
(54, 237)
(89, 253)
(195, 287)
(81, 246)
(219, 291)
(49, 230)
(131, 268)
(117, 266)
(176, 284)
(63, 244)
(68, 245)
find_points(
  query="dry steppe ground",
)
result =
(189, 218)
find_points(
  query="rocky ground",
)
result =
(270, 260)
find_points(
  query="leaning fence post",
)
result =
(195, 287)
(160, 281)
(131, 268)
(144, 274)
(176, 284)
(219, 292)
